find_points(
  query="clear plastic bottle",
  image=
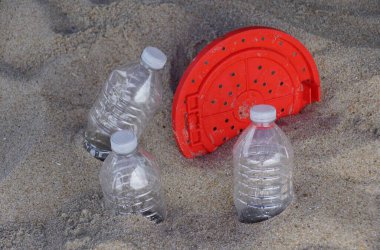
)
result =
(130, 179)
(130, 97)
(263, 163)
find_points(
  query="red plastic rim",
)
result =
(253, 65)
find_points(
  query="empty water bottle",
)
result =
(130, 179)
(263, 162)
(130, 97)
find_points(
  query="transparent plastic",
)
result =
(263, 163)
(129, 99)
(131, 185)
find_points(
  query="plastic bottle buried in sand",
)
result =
(129, 99)
(263, 162)
(130, 179)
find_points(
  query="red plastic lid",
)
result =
(254, 65)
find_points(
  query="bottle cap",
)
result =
(123, 142)
(154, 58)
(263, 113)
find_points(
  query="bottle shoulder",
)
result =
(263, 139)
(140, 158)
(135, 172)
(129, 74)
(134, 83)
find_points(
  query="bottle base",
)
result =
(153, 216)
(150, 215)
(156, 216)
(255, 215)
(98, 153)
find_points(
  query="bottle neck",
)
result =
(266, 125)
(146, 65)
(128, 154)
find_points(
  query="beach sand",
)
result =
(55, 56)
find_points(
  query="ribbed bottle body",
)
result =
(263, 162)
(131, 185)
(129, 99)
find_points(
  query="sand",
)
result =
(55, 56)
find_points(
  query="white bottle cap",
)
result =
(123, 142)
(263, 113)
(154, 58)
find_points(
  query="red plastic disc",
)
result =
(254, 65)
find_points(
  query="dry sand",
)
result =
(54, 57)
